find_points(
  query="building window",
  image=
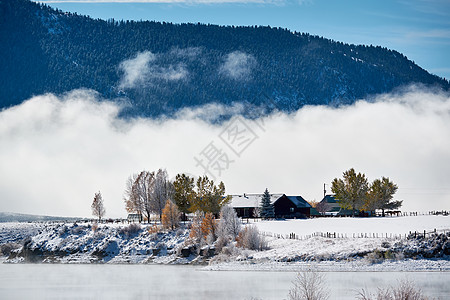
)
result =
(292, 209)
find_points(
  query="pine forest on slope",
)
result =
(158, 68)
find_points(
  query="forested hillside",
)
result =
(157, 68)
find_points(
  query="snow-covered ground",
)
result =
(117, 243)
(16, 232)
(350, 226)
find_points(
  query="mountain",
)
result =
(157, 68)
(15, 217)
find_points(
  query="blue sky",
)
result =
(420, 29)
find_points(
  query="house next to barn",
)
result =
(284, 206)
(332, 207)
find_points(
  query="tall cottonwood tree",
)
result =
(209, 197)
(351, 191)
(381, 194)
(97, 206)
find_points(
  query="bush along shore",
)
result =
(136, 243)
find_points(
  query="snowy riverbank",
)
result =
(138, 244)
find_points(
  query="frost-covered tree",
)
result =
(183, 193)
(98, 209)
(170, 215)
(161, 191)
(351, 191)
(138, 193)
(229, 224)
(267, 210)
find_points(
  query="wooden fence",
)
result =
(337, 235)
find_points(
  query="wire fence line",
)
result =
(360, 235)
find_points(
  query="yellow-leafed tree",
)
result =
(170, 215)
(208, 226)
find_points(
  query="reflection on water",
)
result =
(186, 282)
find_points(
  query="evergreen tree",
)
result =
(184, 193)
(267, 210)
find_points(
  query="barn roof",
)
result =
(299, 201)
(329, 199)
(250, 200)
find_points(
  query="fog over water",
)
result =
(34, 281)
(57, 151)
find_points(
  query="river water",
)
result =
(65, 281)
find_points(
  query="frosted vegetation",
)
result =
(231, 245)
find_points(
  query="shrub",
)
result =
(308, 285)
(405, 289)
(202, 227)
(63, 230)
(250, 238)
(130, 229)
(5, 249)
(221, 242)
(94, 227)
(375, 257)
(153, 229)
(77, 229)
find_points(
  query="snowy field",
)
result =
(350, 226)
(344, 253)
(16, 232)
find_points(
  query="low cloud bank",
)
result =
(146, 69)
(56, 152)
(238, 65)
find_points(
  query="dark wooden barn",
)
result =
(291, 207)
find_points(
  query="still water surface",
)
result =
(29, 281)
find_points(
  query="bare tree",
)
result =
(161, 190)
(322, 207)
(308, 285)
(138, 193)
(131, 199)
(97, 206)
